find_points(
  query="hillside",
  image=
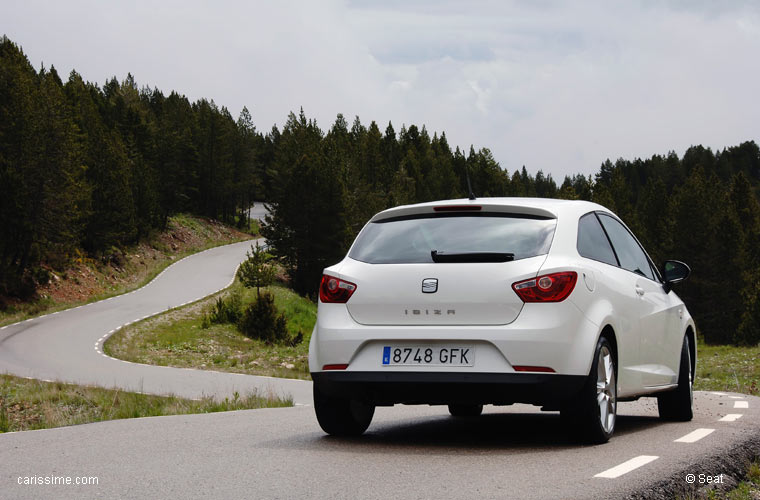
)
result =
(87, 278)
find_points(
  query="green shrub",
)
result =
(225, 310)
(114, 256)
(262, 321)
(40, 275)
(297, 339)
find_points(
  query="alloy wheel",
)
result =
(605, 389)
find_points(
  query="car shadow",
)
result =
(494, 430)
(497, 432)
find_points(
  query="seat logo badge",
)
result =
(429, 285)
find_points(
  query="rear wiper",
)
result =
(444, 257)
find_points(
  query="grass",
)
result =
(749, 489)
(178, 338)
(138, 270)
(32, 404)
(728, 368)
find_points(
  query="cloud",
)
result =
(551, 85)
(571, 85)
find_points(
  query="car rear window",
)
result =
(410, 240)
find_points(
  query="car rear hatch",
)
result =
(450, 267)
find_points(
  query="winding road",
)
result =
(408, 452)
(68, 345)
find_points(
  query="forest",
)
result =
(86, 169)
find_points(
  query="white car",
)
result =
(499, 301)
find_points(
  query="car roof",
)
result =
(542, 207)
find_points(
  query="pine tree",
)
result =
(745, 257)
(694, 238)
(18, 97)
(109, 218)
(256, 271)
(307, 224)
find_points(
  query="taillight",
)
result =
(553, 287)
(538, 369)
(335, 367)
(333, 290)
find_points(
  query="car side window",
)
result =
(628, 250)
(592, 242)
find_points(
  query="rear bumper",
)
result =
(387, 388)
(558, 337)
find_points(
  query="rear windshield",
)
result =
(410, 240)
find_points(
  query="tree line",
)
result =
(88, 169)
(85, 168)
(702, 208)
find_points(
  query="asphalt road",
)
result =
(67, 346)
(257, 210)
(408, 452)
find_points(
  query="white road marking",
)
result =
(694, 436)
(736, 397)
(741, 404)
(627, 467)
(719, 393)
(731, 417)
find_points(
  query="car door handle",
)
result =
(639, 290)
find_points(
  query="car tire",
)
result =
(677, 405)
(342, 417)
(594, 410)
(465, 410)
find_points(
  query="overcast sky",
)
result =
(556, 86)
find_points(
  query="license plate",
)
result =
(446, 355)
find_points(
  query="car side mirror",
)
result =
(674, 271)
